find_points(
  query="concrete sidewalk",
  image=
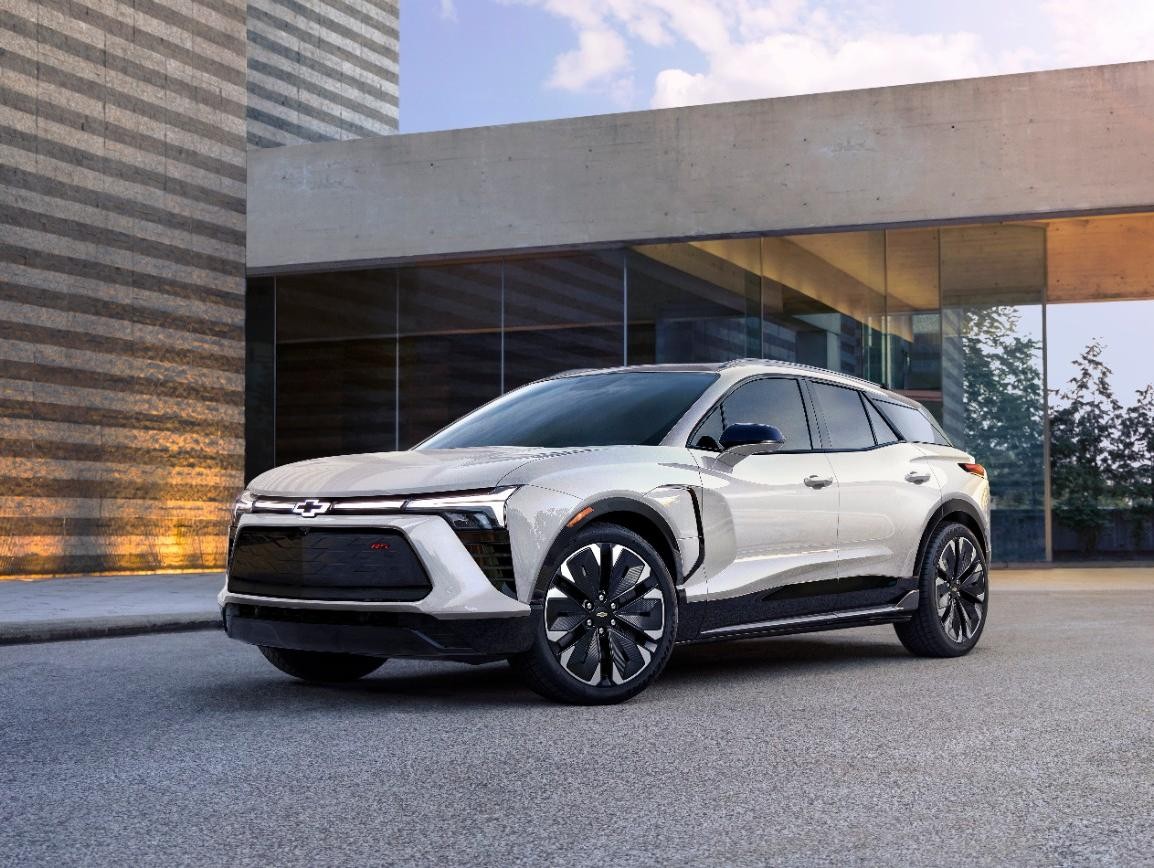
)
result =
(89, 607)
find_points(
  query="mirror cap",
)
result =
(748, 433)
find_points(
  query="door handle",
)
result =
(917, 477)
(816, 481)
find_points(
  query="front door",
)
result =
(770, 520)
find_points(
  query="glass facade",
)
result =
(953, 316)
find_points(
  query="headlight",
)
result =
(483, 510)
(242, 504)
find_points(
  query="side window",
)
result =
(883, 433)
(913, 423)
(845, 415)
(771, 401)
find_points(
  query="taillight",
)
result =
(975, 469)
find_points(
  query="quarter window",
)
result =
(845, 416)
(913, 423)
(768, 401)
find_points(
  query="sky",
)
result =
(467, 63)
(477, 62)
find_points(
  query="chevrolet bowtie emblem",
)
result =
(309, 508)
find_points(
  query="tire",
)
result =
(601, 635)
(954, 596)
(321, 666)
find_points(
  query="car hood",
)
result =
(408, 472)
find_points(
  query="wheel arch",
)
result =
(954, 510)
(642, 519)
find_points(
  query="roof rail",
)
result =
(800, 366)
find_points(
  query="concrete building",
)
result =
(124, 126)
(914, 235)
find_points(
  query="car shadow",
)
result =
(441, 685)
(777, 655)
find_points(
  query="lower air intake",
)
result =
(305, 563)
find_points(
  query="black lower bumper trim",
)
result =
(377, 634)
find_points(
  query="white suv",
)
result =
(584, 524)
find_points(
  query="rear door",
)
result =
(888, 489)
(770, 520)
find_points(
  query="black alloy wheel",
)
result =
(960, 587)
(607, 619)
(954, 596)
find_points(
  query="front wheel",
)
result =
(954, 597)
(605, 619)
(321, 666)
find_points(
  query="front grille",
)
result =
(340, 563)
(493, 554)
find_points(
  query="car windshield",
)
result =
(635, 408)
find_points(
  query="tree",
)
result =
(1085, 470)
(1135, 453)
(1004, 403)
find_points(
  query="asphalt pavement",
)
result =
(828, 749)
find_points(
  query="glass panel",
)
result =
(1101, 429)
(913, 359)
(993, 399)
(824, 301)
(335, 359)
(695, 302)
(844, 415)
(449, 345)
(563, 312)
(771, 401)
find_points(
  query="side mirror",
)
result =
(749, 438)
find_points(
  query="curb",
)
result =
(104, 628)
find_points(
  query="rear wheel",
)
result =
(954, 596)
(606, 619)
(321, 666)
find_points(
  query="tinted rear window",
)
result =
(913, 423)
(623, 408)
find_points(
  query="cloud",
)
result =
(751, 49)
(1101, 31)
(601, 54)
(449, 10)
(793, 63)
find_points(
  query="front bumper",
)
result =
(460, 589)
(462, 616)
(378, 634)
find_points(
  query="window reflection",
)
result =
(336, 364)
(993, 401)
(694, 302)
(562, 312)
(448, 345)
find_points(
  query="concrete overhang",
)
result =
(1073, 141)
